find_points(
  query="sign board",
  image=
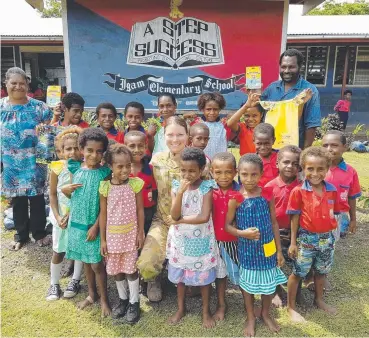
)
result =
(53, 95)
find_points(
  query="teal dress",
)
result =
(84, 210)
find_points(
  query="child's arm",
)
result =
(68, 189)
(54, 199)
(140, 220)
(151, 141)
(352, 212)
(292, 250)
(176, 210)
(102, 223)
(251, 233)
(205, 212)
(338, 105)
(275, 227)
(252, 100)
(94, 230)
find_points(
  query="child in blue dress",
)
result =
(259, 248)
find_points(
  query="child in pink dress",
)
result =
(122, 229)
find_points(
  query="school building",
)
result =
(120, 51)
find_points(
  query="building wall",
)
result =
(330, 93)
(99, 36)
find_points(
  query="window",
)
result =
(358, 66)
(314, 67)
(7, 59)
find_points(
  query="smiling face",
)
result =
(93, 153)
(17, 87)
(288, 166)
(71, 150)
(74, 113)
(199, 138)
(289, 69)
(223, 173)
(334, 146)
(134, 118)
(252, 117)
(166, 106)
(250, 175)
(190, 171)
(176, 138)
(211, 111)
(137, 146)
(121, 167)
(315, 169)
(263, 144)
(106, 119)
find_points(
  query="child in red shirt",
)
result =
(223, 169)
(136, 143)
(106, 115)
(345, 179)
(264, 139)
(342, 108)
(253, 114)
(313, 206)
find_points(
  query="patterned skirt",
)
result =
(261, 282)
(191, 278)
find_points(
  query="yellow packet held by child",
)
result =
(269, 248)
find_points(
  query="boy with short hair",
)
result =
(199, 138)
(312, 207)
(106, 115)
(223, 169)
(73, 106)
(345, 179)
(264, 138)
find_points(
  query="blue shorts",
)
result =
(315, 250)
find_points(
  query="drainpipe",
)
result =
(344, 80)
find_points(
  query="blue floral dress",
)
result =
(22, 176)
(192, 250)
(259, 273)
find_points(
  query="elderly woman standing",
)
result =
(23, 179)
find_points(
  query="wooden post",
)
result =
(344, 79)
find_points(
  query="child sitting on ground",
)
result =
(67, 142)
(264, 139)
(312, 207)
(122, 229)
(106, 115)
(223, 170)
(288, 163)
(345, 179)
(136, 143)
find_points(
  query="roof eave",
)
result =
(31, 38)
(326, 36)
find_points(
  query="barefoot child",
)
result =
(312, 206)
(288, 165)
(223, 169)
(345, 179)
(264, 139)
(106, 115)
(122, 229)
(199, 138)
(136, 143)
(67, 142)
(191, 246)
(83, 234)
(259, 248)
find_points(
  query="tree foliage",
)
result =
(359, 7)
(52, 9)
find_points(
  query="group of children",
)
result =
(284, 205)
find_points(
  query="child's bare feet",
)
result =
(320, 304)
(250, 327)
(277, 301)
(208, 321)
(220, 313)
(270, 323)
(105, 310)
(85, 303)
(176, 318)
(295, 316)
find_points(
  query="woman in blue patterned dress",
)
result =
(259, 248)
(23, 179)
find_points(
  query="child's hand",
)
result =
(140, 240)
(253, 99)
(92, 233)
(104, 249)
(251, 233)
(280, 259)
(151, 131)
(191, 115)
(68, 189)
(149, 196)
(63, 221)
(292, 251)
(183, 186)
(352, 227)
(308, 95)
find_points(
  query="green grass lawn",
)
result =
(25, 279)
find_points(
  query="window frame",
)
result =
(326, 65)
